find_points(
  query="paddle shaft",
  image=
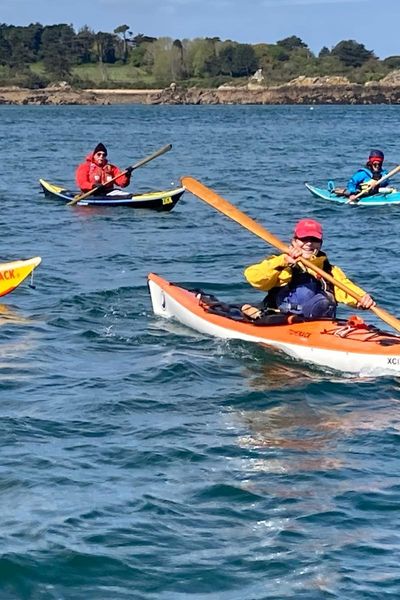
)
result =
(378, 183)
(225, 207)
(142, 162)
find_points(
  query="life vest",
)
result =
(373, 176)
(100, 175)
(303, 289)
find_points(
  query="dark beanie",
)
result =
(376, 155)
(100, 148)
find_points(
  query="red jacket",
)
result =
(89, 175)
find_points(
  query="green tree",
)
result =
(324, 52)
(244, 60)
(159, 57)
(137, 56)
(104, 47)
(279, 53)
(140, 39)
(292, 43)
(201, 57)
(19, 45)
(121, 30)
(84, 44)
(392, 62)
(177, 60)
(58, 50)
(226, 59)
(351, 53)
(5, 45)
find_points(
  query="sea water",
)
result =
(141, 460)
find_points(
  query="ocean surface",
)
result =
(141, 460)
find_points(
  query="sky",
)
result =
(317, 22)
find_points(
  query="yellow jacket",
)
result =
(275, 272)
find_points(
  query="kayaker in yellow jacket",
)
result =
(294, 289)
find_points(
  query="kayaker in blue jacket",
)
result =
(367, 176)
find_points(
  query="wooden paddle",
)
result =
(225, 207)
(378, 183)
(142, 162)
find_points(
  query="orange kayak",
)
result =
(350, 346)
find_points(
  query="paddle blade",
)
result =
(226, 208)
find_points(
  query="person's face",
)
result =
(100, 158)
(376, 165)
(309, 245)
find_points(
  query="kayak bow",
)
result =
(12, 274)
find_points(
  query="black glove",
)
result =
(129, 171)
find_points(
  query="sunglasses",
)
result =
(100, 154)
(311, 239)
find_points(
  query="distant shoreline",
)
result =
(292, 93)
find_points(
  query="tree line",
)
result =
(36, 55)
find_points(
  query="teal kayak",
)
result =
(389, 197)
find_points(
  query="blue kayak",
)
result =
(390, 197)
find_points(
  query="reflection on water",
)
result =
(296, 428)
(313, 433)
(273, 375)
(282, 372)
(12, 350)
(8, 315)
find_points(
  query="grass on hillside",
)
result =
(104, 74)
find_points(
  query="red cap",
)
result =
(308, 228)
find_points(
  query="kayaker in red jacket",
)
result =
(97, 171)
(294, 289)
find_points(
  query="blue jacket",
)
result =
(363, 175)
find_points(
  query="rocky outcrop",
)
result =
(302, 90)
(392, 79)
(335, 94)
(56, 94)
(340, 93)
(325, 81)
